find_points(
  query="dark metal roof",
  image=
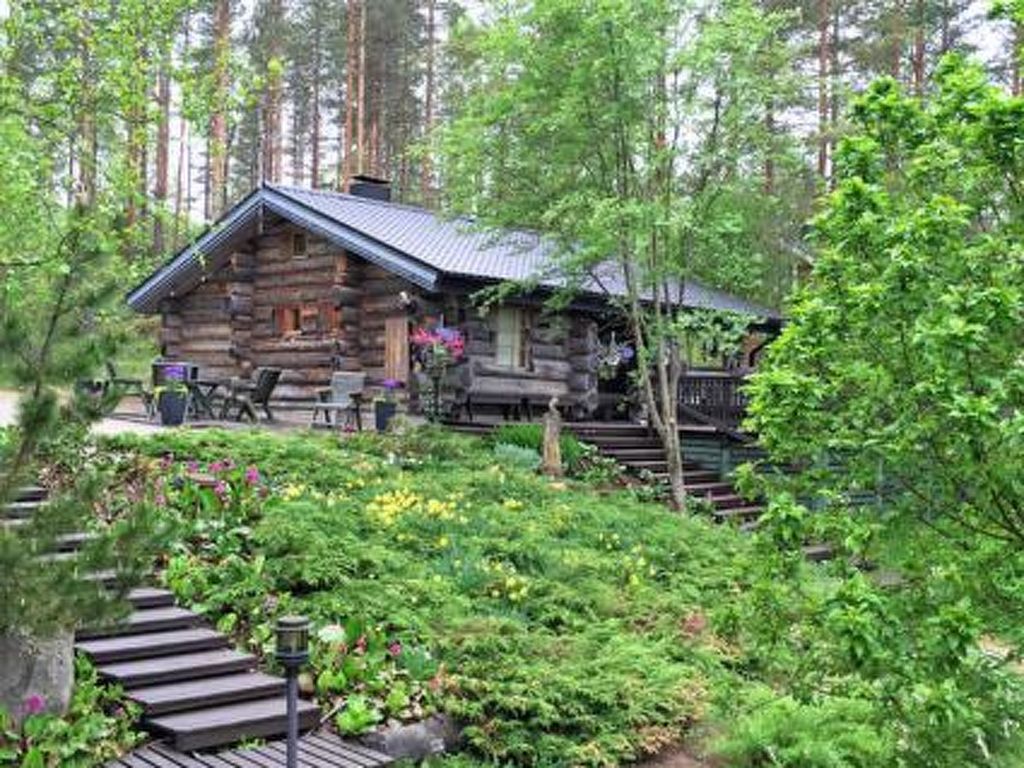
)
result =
(413, 242)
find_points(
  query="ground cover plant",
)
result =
(552, 624)
(561, 625)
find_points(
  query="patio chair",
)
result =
(343, 397)
(244, 397)
(123, 387)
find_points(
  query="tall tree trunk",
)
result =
(834, 82)
(361, 124)
(352, 37)
(919, 45)
(769, 154)
(162, 160)
(218, 144)
(824, 56)
(272, 140)
(896, 42)
(314, 138)
(426, 177)
(1018, 54)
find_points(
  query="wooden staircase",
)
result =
(640, 451)
(195, 691)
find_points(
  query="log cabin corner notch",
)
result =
(313, 281)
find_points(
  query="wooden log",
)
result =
(551, 351)
(345, 296)
(552, 369)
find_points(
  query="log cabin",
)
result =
(315, 281)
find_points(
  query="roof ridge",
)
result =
(286, 188)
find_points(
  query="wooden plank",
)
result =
(147, 620)
(183, 760)
(206, 691)
(151, 644)
(150, 597)
(336, 756)
(356, 751)
(396, 348)
(211, 726)
(310, 755)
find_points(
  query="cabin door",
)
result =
(396, 349)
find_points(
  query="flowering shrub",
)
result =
(96, 728)
(368, 677)
(435, 350)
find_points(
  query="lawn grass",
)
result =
(569, 625)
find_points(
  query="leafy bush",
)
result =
(545, 618)
(97, 727)
(515, 456)
(532, 436)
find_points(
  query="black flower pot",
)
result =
(172, 405)
(383, 414)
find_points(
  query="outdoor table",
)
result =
(202, 392)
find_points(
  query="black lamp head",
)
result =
(292, 640)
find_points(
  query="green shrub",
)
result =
(532, 436)
(509, 455)
(776, 730)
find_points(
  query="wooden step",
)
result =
(20, 509)
(738, 514)
(730, 501)
(72, 542)
(229, 723)
(621, 441)
(817, 553)
(146, 620)
(716, 488)
(146, 646)
(206, 692)
(30, 493)
(150, 597)
(169, 669)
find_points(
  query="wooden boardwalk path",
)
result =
(321, 749)
(196, 692)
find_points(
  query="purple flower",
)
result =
(252, 475)
(160, 499)
(217, 467)
(192, 467)
(391, 384)
(394, 648)
(626, 353)
(34, 704)
(221, 489)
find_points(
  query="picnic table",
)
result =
(202, 394)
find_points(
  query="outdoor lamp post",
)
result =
(292, 651)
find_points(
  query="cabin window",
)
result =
(509, 338)
(288, 320)
(299, 245)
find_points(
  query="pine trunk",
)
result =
(217, 160)
(350, 102)
(428, 107)
(361, 98)
(162, 159)
(272, 98)
(314, 138)
(919, 41)
(824, 55)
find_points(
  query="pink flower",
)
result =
(160, 499)
(192, 467)
(360, 644)
(394, 648)
(252, 475)
(217, 467)
(221, 489)
(33, 704)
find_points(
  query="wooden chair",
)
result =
(123, 387)
(343, 397)
(244, 397)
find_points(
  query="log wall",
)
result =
(232, 323)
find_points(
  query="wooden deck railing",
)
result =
(717, 395)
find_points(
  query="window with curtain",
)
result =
(509, 347)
